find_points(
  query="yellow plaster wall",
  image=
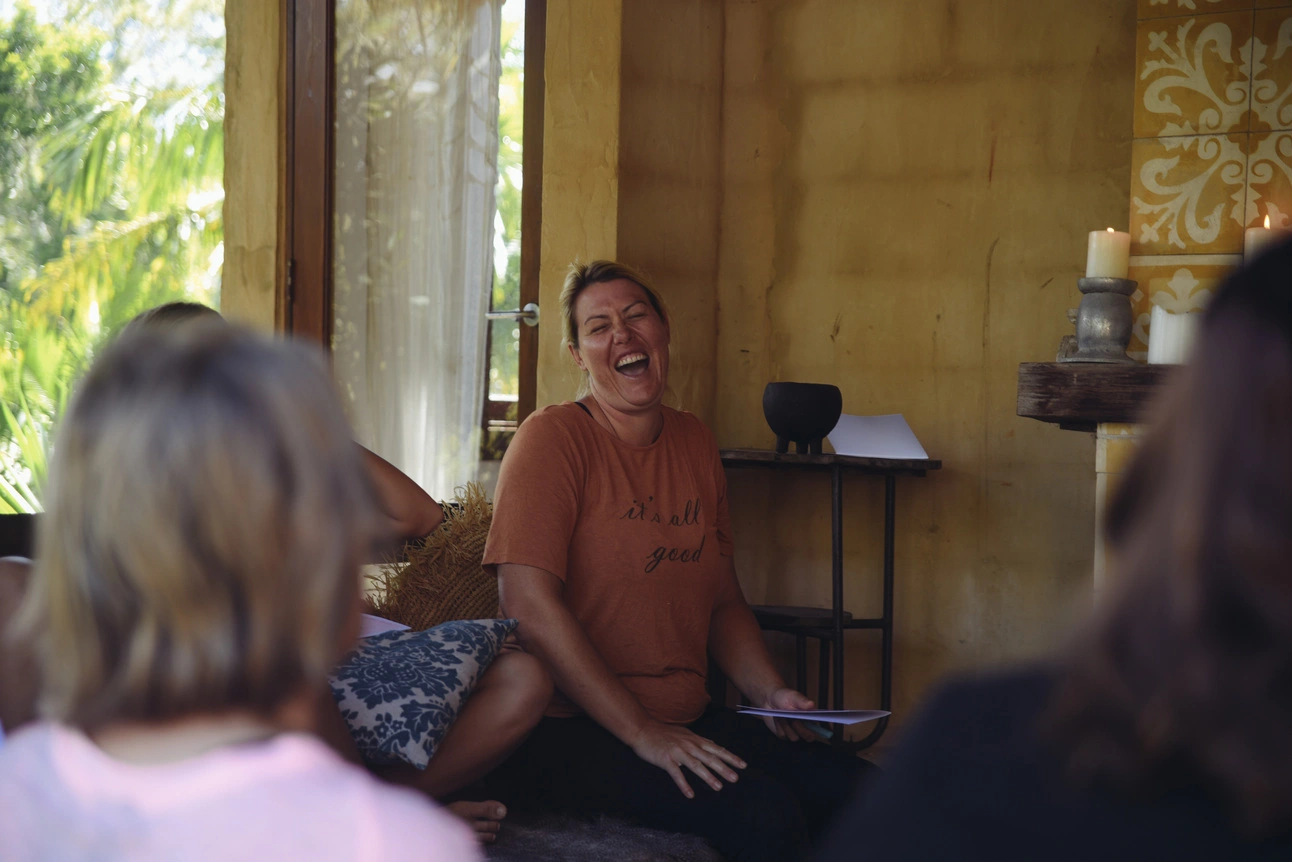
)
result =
(252, 159)
(906, 193)
(580, 165)
(670, 175)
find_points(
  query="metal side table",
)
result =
(829, 624)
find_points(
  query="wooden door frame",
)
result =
(309, 205)
(531, 197)
(309, 134)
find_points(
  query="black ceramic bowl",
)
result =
(802, 413)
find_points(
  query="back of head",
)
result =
(169, 316)
(1189, 662)
(206, 516)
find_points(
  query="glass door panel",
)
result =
(414, 231)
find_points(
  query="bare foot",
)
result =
(484, 817)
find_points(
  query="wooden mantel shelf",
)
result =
(1079, 395)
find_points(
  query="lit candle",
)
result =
(1257, 238)
(1108, 254)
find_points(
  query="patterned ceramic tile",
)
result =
(1177, 283)
(1272, 70)
(1269, 180)
(1163, 8)
(1271, 4)
(1193, 75)
(1188, 194)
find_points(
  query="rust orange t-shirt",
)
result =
(640, 536)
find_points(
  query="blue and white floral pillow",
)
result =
(399, 692)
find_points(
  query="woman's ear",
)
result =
(578, 360)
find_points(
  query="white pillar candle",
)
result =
(1108, 254)
(1257, 238)
(1170, 336)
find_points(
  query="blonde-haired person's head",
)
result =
(581, 276)
(206, 516)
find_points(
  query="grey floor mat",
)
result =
(568, 839)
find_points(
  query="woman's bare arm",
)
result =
(737, 646)
(549, 631)
(413, 513)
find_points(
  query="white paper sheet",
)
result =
(371, 624)
(875, 437)
(821, 716)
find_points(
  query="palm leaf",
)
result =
(136, 152)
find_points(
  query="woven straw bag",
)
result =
(442, 579)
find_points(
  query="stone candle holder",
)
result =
(1104, 321)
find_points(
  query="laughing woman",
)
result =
(612, 545)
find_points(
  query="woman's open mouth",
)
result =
(633, 365)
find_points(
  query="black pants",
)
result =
(786, 797)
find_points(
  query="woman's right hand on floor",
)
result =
(670, 747)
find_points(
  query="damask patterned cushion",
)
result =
(399, 692)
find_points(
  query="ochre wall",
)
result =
(252, 160)
(906, 193)
(580, 165)
(670, 176)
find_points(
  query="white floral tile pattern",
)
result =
(1269, 179)
(1165, 8)
(1188, 194)
(1193, 75)
(1272, 70)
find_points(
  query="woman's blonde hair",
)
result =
(207, 512)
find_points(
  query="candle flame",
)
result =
(1267, 222)
(1110, 230)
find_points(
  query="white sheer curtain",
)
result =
(416, 162)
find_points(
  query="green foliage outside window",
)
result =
(504, 357)
(111, 168)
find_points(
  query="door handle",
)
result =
(527, 315)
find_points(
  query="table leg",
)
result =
(886, 655)
(823, 674)
(800, 662)
(890, 519)
(836, 573)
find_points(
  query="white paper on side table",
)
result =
(821, 716)
(876, 437)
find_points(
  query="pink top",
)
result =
(288, 798)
